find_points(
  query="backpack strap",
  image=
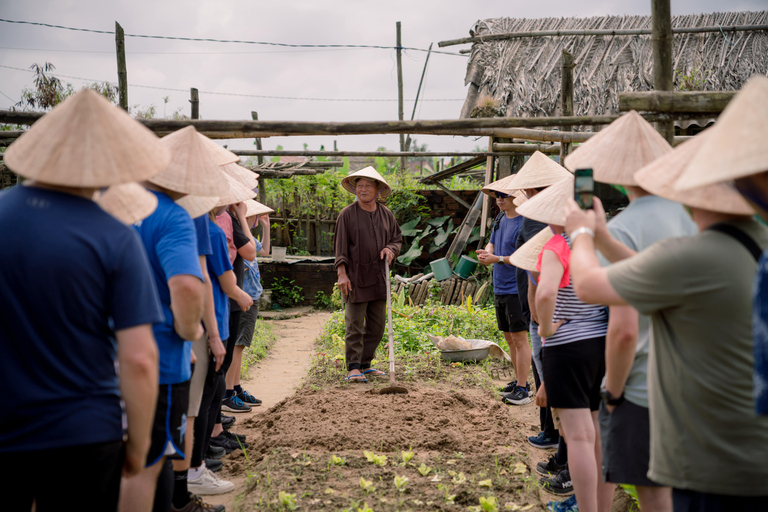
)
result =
(741, 237)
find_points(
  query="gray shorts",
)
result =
(247, 325)
(196, 384)
(626, 441)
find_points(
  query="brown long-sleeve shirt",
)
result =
(359, 239)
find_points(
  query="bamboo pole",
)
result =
(661, 39)
(400, 93)
(488, 174)
(514, 147)
(596, 32)
(122, 73)
(705, 102)
(566, 98)
(453, 195)
(194, 99)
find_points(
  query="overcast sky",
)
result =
(248, 69)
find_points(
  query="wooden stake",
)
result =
(566, 98)
(122, 73)
(488, 174)
(400, 93)
(194, 99)
(661, 39)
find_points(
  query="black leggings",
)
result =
(209, 410)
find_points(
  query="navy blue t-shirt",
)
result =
(170, 240)
(69, 272)
(218, 263)
(503, 239)
(203, 237)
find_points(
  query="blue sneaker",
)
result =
(234, 404)
(568, 505)
(247, 398)
(543, 442)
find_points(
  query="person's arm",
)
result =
(546, 292)
(209, 318)
(340, 250)
(345, 285)
(532, 299)
(228, 283)
(187, 294)
(265, 234)
(392, 248)
(248, 250)
(487, 256)
(137, 356)
(620, 346)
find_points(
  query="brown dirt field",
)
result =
(475, 445)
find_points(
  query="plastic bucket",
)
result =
(441, 268)
(278, 253)
(465, 267)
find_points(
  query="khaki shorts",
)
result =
(200, 348)
(556, 419)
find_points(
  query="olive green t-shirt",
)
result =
(705, 435)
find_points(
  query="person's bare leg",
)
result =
(605, 490)
(237, 359)
(654, 499)
(578, 426)
(183, 464)
(512, 351)
(217, 429)
(522, 355)
(137, 493)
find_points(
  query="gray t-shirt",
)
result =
(705, 435)
(647, 220)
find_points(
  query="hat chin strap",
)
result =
(372, 200)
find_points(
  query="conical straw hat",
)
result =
(738, 146)
(520, 199)
(539, 171)
(660, 176)
(501, 185)
(85, 141)
(221, 155)
(236, 192)
(241, 175)
(527, 256)
(197, 205)
(548, 206)
(192, 169)
(369, 172)
(128, 202)
(616, 153)
(256, 208)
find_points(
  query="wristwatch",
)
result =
(501, 260)
(609, 399)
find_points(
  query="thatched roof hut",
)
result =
(522, 75)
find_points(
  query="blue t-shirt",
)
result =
(760, 334)
(218, 263)
(69, 272)
(503, 239)
(171, 243)
(252, 279)
(203, 237)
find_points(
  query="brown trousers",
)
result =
(365, 326)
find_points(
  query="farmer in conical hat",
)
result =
(366, 233)
(76, 296)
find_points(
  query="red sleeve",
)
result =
(559, 246)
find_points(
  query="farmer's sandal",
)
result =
(373, 372)
(356, 378)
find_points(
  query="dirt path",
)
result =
(277, 376)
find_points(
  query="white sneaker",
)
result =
(208, 484)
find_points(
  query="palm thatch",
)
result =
(523, 74)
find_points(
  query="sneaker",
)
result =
(196, 504)
(542, 442)
(568, 505)
(510, 387)
(208, 484)
(222, 442)
(227, 421)
(215, 452)
(518, 397)
(560, 484)
(551, 467)
(213, 465)
(234, 404)
(248, 398)
(237, 439)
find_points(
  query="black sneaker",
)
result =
(237, 439)
(543, 442)
(234, 404)
(518, 397)
(214, 465)
(560, 484)
(215, 452)
(510, 387)
(551, 467)
(227, 421)
(247, 398)
(224, 443)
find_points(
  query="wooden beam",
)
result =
(566, 98)
(122, 72)
(517, 147)
(663, 79)
(705, 102)
(385, 154)
(454, 196)
(595, 32)
(447, 173)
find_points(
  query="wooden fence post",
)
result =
(566, 99)
(661, 37)
(122, 73)
(400, 94)
(194, 99)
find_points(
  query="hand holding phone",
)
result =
(583, 188)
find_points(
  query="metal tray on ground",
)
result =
(472, 354)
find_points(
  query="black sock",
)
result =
(561, 457)
(180, 491)
(238, 389)
(229, 393)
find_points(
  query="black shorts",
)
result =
(510, 316)
(573, 373)
(694, 501)
(625, 436)
(170, 423)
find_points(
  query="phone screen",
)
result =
(583, 188)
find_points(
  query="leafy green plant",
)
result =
(379, 460)
(489, 504)
(286, 501)
(401, 482)
(330, 302)
(424, 470)
(263, 339)
(338, 461)
(286, 293)
(406, 456)
(365, 508)
(366, 485)
(691, 81)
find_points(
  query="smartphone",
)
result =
(583, 188)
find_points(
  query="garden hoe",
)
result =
(392, 389)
